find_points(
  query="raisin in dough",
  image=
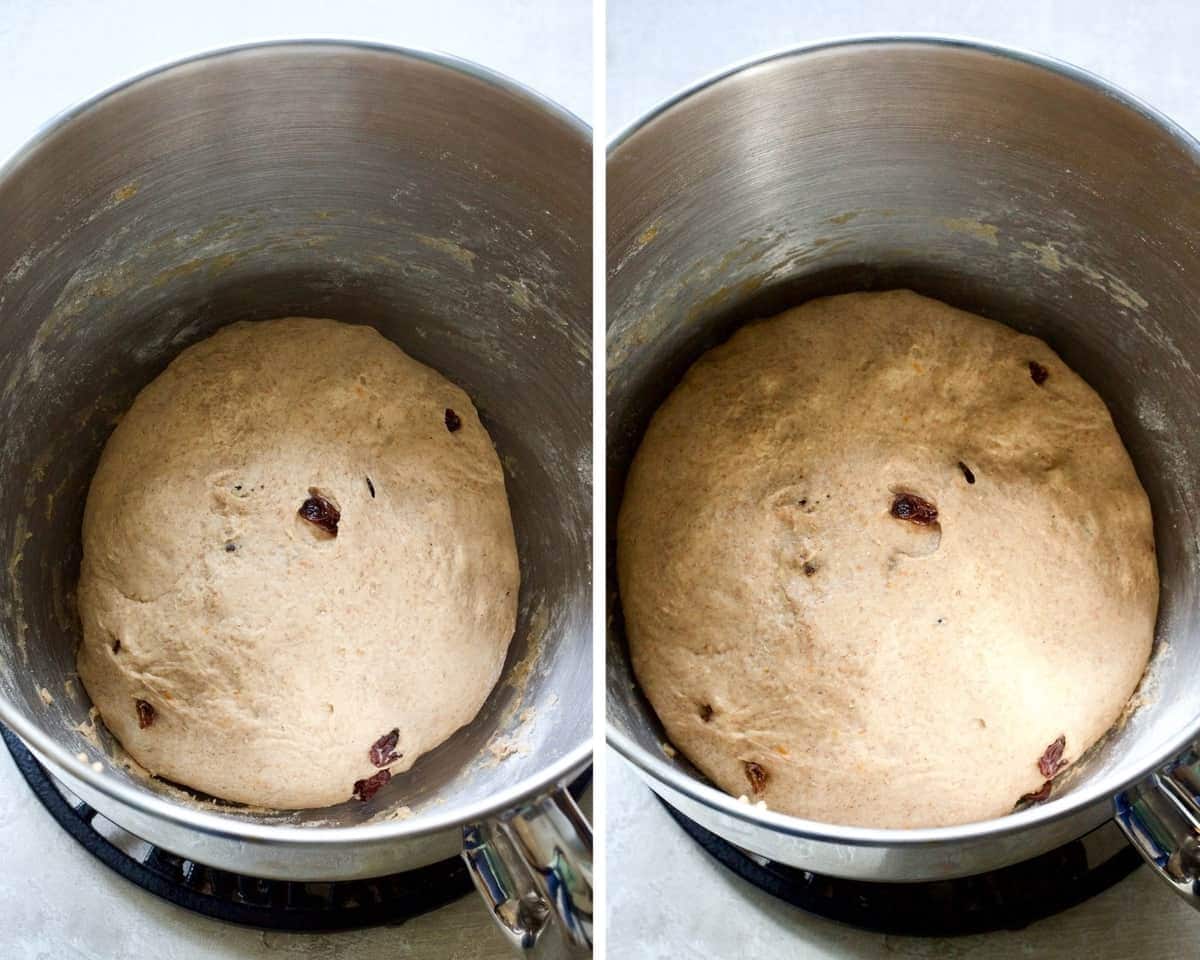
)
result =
(804, 646)
(272, 656)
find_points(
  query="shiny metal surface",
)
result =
(1160, 816)
(1001, 182)
(441, 203)
(534, 864)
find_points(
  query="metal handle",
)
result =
(533, 866)
(1161, 818)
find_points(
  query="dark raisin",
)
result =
(116, 648)
(371, 487)
(810, 568)
(910, 507)
(1041, 795)
(706, 712)
(756, 775)
(382, 751)
(366, 789)
(1038, 372)
(1051, 761)
(452, 420)
(966, 472)
(804, 503)
(321, 513)
(145, 713)
(230, 547)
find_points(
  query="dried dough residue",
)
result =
(539, 621)
(21, 536)
(987, 232)
(47, 699)
(1051, 256)
(503, 746)
(402, 812)
(452, 249)
(88, 728)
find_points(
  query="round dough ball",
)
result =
(234, 646)
(812, 636)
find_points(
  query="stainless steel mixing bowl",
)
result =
(444, 205)
(1007, 184)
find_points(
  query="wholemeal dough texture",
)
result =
(272, 655)
(803, 645)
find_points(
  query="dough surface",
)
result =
(272, 655)
(804, 646)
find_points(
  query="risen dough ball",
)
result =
(272, 655)
(803, 645)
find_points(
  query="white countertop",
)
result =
(56, 901)
(666, 897)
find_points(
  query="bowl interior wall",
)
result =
(980, 179)
(451, 213)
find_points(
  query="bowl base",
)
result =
(1010, 898)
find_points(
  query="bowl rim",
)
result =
(439, 819)
(1103, 789)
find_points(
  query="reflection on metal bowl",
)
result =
(1002, 183)
(444, 205)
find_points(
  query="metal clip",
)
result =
(1161, 817)
(533, 866)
